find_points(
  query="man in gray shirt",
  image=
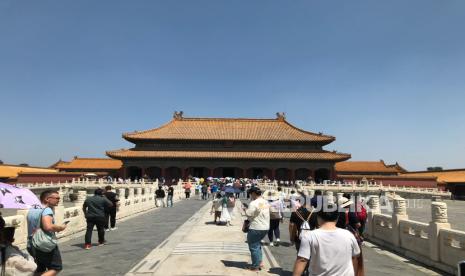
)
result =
(94, 211)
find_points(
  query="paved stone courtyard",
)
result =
(131, 242)
(139, 236)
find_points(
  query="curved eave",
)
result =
(136, 140)
(204, 155)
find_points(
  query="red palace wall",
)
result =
(52, 177)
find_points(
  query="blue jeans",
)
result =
(254, 238)
(169, 201)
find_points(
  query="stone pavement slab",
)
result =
(200, 247)
(131, 242)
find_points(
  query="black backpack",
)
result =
(306, 225)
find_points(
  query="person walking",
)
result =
(110, 213)
(160, 197)
(94, 212)
(258, 213)
(204, 189)
(320, 247)
(169, 199)
(276, 216)
(187, 190)
(217, 208)
(348, 220)
(48, 263)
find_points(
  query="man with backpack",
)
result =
(159, 197)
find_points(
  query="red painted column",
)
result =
(143, 171)
(125, 172)
(291, 174)
(209, 172)
(163, 173)
(184, 173)
(333, 174)
(273, 174)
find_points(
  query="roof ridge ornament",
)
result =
(178, 115)
(281, 116)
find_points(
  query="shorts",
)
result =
(48, 260)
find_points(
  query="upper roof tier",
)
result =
(228, 129)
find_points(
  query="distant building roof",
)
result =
(12, 171)
(229, 129)
(364, 167)
(323, 155)
(90, 163)
(445, 176)
(58, 163)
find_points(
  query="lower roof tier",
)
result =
(252, 155)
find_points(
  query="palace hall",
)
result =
(228, 147)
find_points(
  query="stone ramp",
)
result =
(132, 241)
(201, 248)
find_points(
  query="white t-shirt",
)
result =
(330, 251)
(259, 214)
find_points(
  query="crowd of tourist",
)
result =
(327, 234)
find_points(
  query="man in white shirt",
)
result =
(258, 213)
(331, 250)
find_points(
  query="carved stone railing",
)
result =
(433, 244)
(350, 187)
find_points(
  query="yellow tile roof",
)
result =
(12, 171)
(330, 156)
(364, 166)
(228, 129)
(448, 176)
(91, 163)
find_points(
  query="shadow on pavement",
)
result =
(279, 271)
(235, 264)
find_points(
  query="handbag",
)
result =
(246, 226)
(41, 240)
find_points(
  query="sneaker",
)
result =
(102, 243)
(278, 240)
(114, 228)
(271, 244)
(107, 230)
(87, 246)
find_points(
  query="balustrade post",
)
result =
(399, 213)
(439, 221)
(373, 204)
(122, 194)
(131, 193)
(339, 197)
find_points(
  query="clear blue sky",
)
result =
(387, 78)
